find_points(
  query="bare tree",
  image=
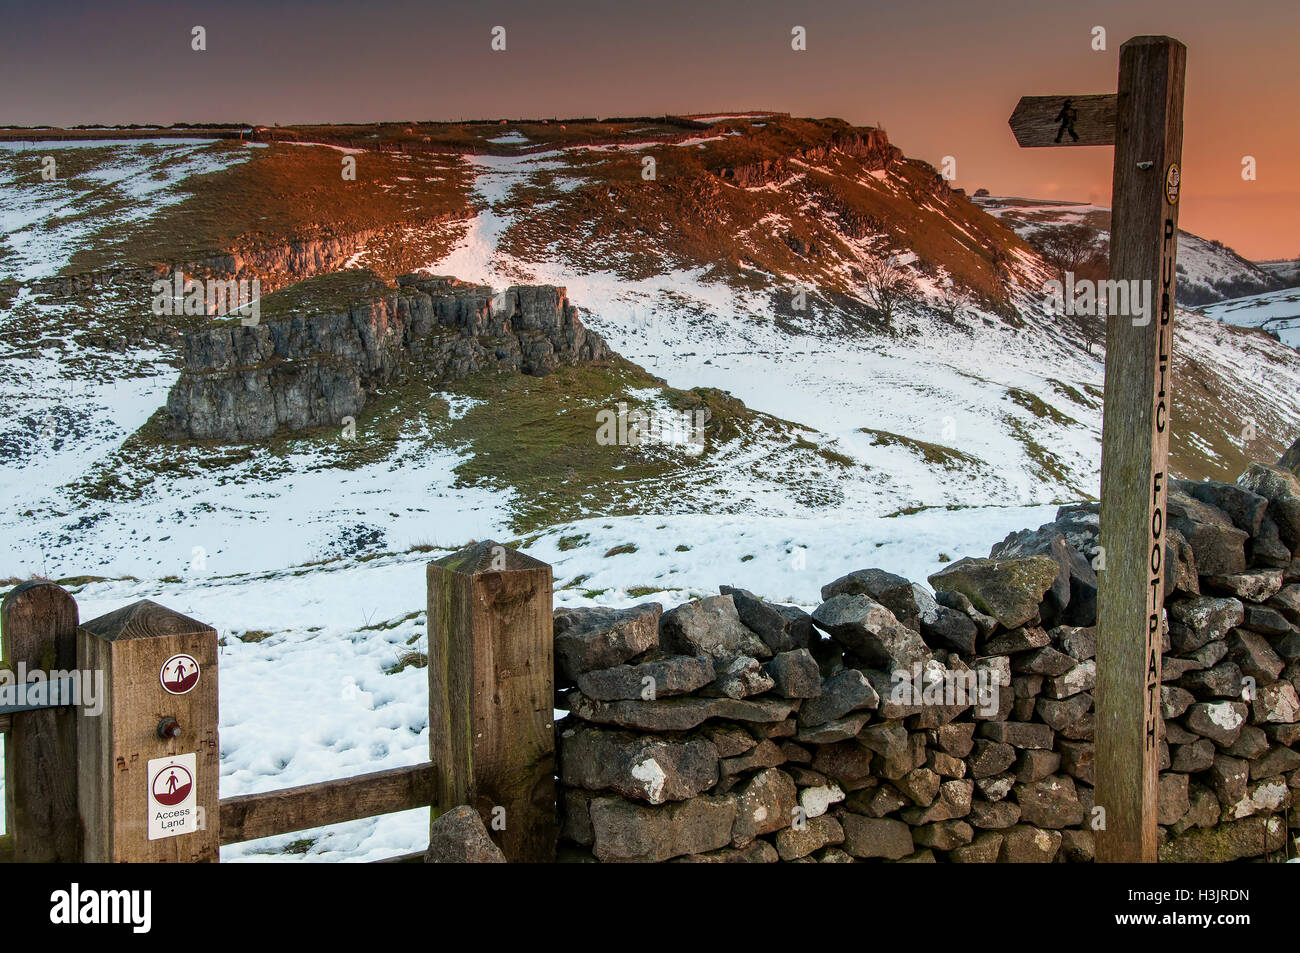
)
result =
(952, 302)
(888, 286)
(1068, 248)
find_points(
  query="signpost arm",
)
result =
(1135, 445)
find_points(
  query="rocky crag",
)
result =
(299, 371)
(730, 729)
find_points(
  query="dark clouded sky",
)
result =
(941, 77)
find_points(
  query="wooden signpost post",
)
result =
(1144, 121)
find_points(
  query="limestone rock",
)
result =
(984, 849)
(710, 627)
(815, 801)
(944, 835)
(871, 631)
(1239, 504)
(679, 714)
(1024, 844)
(782, 628)
(876, 837)
(795, 674)
(1236, 840)
(741, 677)
(1171, 798)
(1221, 722)
(1276, 703)
(242, 383)
(1218, 546)
(459, 837)
(1253, 585)
(840, 694)
(1010, 590)
(807, 838)
(624, 831)
(648, 769)
(1052, 803)
(1282, 490)
(587, 639)
(764, 805)
(989, 758)
(673, 675)
(994, 815)
(1207, 619)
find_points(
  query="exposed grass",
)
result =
(407, 660)
(932, 453)
(392, 623)
(1074, 395)
(1038, 407)
(287, 193)
(1045, 465)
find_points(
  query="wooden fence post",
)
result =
(149, 762)
(1135, 445)
(39, 622)
(492, 694)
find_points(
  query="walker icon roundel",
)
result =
(172, 786)
(179, 674)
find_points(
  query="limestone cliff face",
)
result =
(312, 370)
(274, 265)
(871, 146)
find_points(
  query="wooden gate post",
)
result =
(1135, 445)
(160, 705)
(492, 694)
(39, 623)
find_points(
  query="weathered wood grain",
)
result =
(491, 689)
(39, 623)
(130, 647)
(251, 816)
(1135, 446)
(1036, 120)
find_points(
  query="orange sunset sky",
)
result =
(941, 77)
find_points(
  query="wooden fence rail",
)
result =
(250, 816)
(137, 779)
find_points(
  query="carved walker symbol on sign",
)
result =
(173, 800)
(179, 674)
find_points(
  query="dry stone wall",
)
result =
(893, 724)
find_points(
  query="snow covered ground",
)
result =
(1277, 312)
(43, 222)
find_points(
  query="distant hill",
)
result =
(1208, 271)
